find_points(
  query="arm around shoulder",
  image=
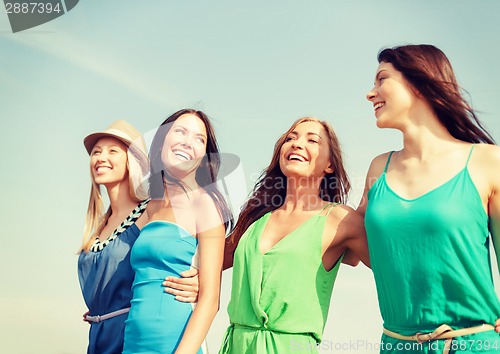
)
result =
(357, 244)
(351, 235)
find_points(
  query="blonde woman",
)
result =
(119, 163)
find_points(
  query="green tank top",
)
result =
(284, 292)
(430, 256)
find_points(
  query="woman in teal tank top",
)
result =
(290, 239)
(431, 210)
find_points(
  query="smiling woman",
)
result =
(108, 161)
(118, 162)
(293, 230)
(431, 209)
(186, 230)
(187, 143)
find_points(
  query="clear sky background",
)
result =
(253, 67)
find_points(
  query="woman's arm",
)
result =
(490, 162)
(345, 234)
(374, 171)
(350, 258)
(211, 237)
(186, 288)
(357, 245)
(492, 166)
(229, 249)
(355, 242)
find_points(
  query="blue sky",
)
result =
(253, 67)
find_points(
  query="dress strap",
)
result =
(129, 221)
(470, 153)
(333, 205)
(388, 160)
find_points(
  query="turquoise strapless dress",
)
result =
(156, 321)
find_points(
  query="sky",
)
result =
(254, 67)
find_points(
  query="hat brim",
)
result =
(90, 140)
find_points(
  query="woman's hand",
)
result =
(85, 317)
(186, 288)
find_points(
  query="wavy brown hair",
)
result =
(430, 72)
(270, 189)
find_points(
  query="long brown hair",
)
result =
(430, 72)
(206, 173)
(270, 189)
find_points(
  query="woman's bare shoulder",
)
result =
(345, 217)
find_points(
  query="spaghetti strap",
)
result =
(324, 208)
(388, 160)
(333, 205)
(470, 153)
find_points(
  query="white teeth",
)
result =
(182, 155)
(296, 157)
(378, 105)
(102, 168)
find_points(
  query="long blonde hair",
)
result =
(96, 219)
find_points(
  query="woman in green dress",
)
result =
(431, 210)
(288, 243)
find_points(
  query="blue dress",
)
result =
(156, 321)
(106, 279)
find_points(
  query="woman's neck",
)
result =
(188, 179)
(302, 194)
(425, 136)
(120, 199)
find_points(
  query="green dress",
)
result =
(279, 300)
(431, 260)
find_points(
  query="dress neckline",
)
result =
(170, 223)
(267, 216)
(431, 191)
(129, 221)
(423, 195)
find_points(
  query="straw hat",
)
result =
(138, 166)
(123, 131)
